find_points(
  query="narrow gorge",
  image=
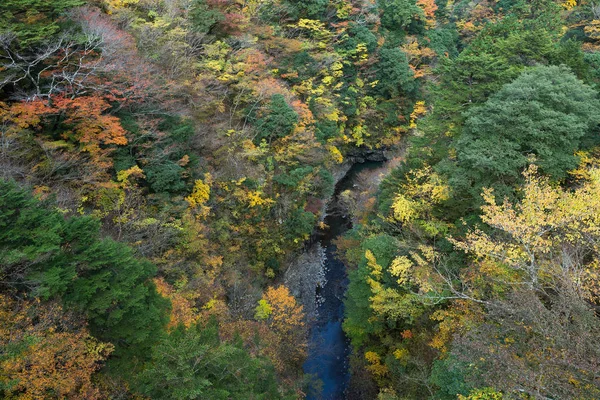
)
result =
(328, 346)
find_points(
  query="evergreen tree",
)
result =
(278, 120)
(546, 113)
(50, 256)
(194, 364)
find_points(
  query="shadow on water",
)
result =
(328, 346)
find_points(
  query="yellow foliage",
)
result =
(285, 314)
(116, 4)
(343, 10)
(124, 175)
(255, 199)
(418, 112)
(328, 80)
(423, 189)
(402, 355)
(548, 226)
(404, 209)
(377, 369)
(200, 195)
(401, 269)
(372, 357)
(335, 153)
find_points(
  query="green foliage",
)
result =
(306, 8)
(33, 21)
(498, 54)
(202, 17)
(358, 322)
(300, 224)
(444, 41)
(293, 178)
(165, 176)
(397, 15)
(278, 120)
(357, 310)
(358, 34)
(263, 310)
(546, 112)
(179, 130)
(42, 252)
(326, 130)
(325, 184)
(448, 375)
(195, 364)
(393, 73)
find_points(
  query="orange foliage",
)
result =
(50, 357)
(84, 117)
(305, 115)
(24, 114)
(182, 309)
(267, 87)
(407, 334)
(429, 7)
(287, 316)
(90, 126)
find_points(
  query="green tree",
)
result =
(398, 14)
(50, 256)
(195, 364)
(202, 17)
(360, 320)
(306, 8)
(393, 73)
(546, 113)
(33, 21)
(278, 120)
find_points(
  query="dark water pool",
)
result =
(328, 346)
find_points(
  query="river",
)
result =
(329, 348)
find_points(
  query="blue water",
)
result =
(329, 348)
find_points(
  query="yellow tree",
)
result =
(550, 237)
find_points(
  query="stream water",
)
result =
(328, 346)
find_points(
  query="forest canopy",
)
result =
(164, 165)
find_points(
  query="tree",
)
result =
(202, 17)
(33, 21)
(544, 348)
(195, 364)
(46, 352)
(278, 120)
(306, 8)
(546, 113)
(534, 277)
(285, 317)
(398, 14)
(360, 318)
(547, 239)
(81, 121)
(49, 256)
(393, 73)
